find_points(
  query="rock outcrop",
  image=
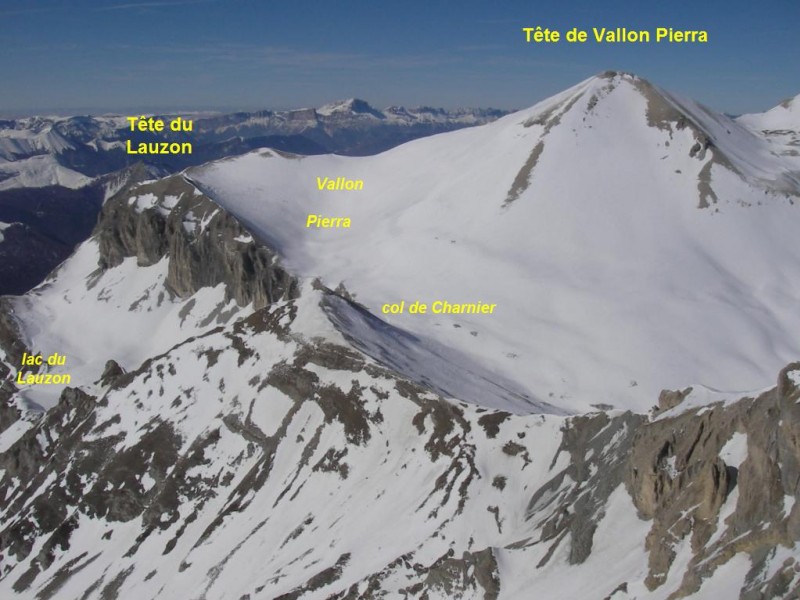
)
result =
(12, 349)
(205, 246)
(726, 478)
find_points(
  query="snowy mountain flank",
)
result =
(781, 126)
(75, 160)
(624, 227)
(238, 417)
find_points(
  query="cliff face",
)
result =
(712, 483)
(11, 350)
(726, 478)
(205, 246)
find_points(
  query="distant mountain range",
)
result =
(69, 151)
(57, 169)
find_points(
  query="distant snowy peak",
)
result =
(22, 138)
(785, 116)
(351, 106)
(40, 170)
(792, 105)
(781, 127)
(39, 139)
(359, 110)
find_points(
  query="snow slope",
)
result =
(262, 458)
(121, 301)
(39, 171)
(632, 241)
(274, 486)
(784, 116)
(781, 126)
(32, 136)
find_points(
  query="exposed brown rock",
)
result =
(677, 478)
(670, 399)
(202, 242)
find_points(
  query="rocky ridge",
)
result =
(205, 246)
(264, 458)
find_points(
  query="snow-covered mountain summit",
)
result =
(629, 238)
(785, 115)
(349, 107)
(781, 126)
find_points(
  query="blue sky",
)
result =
(117, 55)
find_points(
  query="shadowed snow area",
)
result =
(444, 370)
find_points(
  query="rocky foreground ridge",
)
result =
(263, 456)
